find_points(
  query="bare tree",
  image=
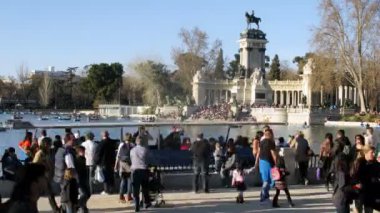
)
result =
(288, 73)
(193, 55)
(45, 90)
(23, 76)
(347, 33)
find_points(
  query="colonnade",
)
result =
(345, 93)
(214, 96)
(287, 97)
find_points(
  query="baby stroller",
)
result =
(155, 187)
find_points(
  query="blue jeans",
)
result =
(266, 177)
(125, 185)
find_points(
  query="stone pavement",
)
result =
(306, 198)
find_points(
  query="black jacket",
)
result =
(201, 150)
(369, 177)
(105, 153)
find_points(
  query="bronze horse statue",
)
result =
(252, 19)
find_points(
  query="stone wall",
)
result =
(270, 115)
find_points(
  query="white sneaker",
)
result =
(306, 182)
(104, 193)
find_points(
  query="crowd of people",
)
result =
(353, 170)
(214, 112)
(77, 163)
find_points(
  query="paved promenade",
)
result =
(308, 199)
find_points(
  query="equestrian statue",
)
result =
(252, 19)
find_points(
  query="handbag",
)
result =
(99, 176)
(320, 164)
(275, 173)
(124, 167)
(318, 174)
(309, 152)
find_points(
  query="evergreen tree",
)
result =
(219, 67)
(275, 72)
(233, 68)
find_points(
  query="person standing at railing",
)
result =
(140, 158)
(25, 145)
(326, 159)
(90, 147)
(201, 158)
(10, 163)
(123, 167)
(43, 135)
(228, 166)
(43, 157)
(218, 157)
(83, 179)
(105, 157)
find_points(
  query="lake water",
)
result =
(314, 134)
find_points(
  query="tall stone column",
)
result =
(281, 97)
(275, 97)
(287, 98)
(340, 94)
(345, 92)
(321, 101)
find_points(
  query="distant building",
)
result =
(53, 74)
(5, 80)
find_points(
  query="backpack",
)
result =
(275, 173)
(60, 164)
(126, 148)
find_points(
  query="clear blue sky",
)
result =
(68, 33)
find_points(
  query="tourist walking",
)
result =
(370, 138)
(10, 164)
(42, 136)
(341, 198)
(265, 160)
(140, 177)
(281, 183)
(69, 192)
(44, 158)
(123, 167)
(65, 164)
(238, 180)
(303, 152)
(256, 142)
(341, 145)
(228, 166)
(201, 159)
(90, 147)
(355, 170)
(369, 177)
(326, 159)
(105, 157)
(29, 185)
(83, 179)
(57, 143)
(341, 150)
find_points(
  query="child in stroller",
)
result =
(155, 187)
